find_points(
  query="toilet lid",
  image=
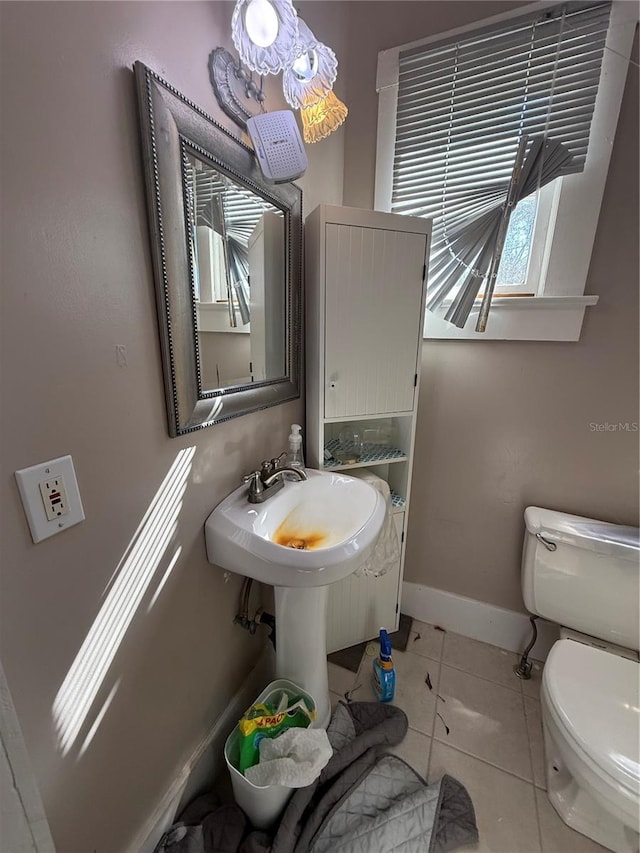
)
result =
(596, 697)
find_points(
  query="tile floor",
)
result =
(480, 724)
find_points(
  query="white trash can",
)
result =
(263, 805)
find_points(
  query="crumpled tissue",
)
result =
(294, 758)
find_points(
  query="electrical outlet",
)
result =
(50, 497)
(54, 497)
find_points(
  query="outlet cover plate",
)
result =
(29, 480)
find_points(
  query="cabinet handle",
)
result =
(332, 384)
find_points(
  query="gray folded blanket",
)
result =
(364, 801)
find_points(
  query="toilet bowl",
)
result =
(585, 575)
(591, 724)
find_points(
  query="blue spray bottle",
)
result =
(384, 675)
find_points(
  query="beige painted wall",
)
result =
(505, 424)
(76, 281)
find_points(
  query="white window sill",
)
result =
(214, 317)
(522, 318)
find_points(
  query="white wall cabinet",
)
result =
(267, 298)
(365, 293)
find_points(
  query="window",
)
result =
(222, 218)
(513, 272)
(451, 109)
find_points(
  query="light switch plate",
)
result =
(36, 485)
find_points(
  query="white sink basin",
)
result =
(310, 533)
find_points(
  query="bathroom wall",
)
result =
(505, 424)
(500, 425)
(76, 282)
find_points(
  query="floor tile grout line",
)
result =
(340, 693)
(484, 761)
(355, 685)
(535, 805)
(533, 775)
(441, 662)
(417, 731)
(435, 707)
(438, 664)
(359, 678)
(481, 643)
(464, 752)
(526, 728)
(483, 677)
(432, 736)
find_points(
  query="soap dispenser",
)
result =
(294, 453)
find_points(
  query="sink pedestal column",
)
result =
(301, 642)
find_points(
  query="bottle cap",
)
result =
(385, 645)
(295, 439)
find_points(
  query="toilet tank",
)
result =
(590, 581)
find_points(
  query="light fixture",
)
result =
(270, 38)
(265, 34)
(311, 75)
(237, 93)
(321, 119)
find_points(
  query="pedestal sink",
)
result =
(307, 536)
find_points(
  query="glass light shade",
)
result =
(313, 72)
(322, 118)
(265, 34)
(305, 67)
(261, 22)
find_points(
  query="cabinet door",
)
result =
(373, 319)
(359, 606)
(267, 298)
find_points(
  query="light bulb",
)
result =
(261, 22)
(265, 34)
(306, 66)
(310, 76)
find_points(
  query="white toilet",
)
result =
(585, 575)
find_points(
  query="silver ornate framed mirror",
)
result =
(227, 257)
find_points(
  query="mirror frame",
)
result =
(171, 126)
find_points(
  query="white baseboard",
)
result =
(477, 619)
(206, 762)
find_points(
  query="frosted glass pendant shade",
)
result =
(322, 118)
(265, 34)
(312, 74)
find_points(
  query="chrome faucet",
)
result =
(267, 480)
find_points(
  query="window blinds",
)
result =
(464, 106)
(233, 212)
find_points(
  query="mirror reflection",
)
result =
(227, 256)
(238, 252)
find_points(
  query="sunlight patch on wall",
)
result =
(165, 577)
(127, 588)
(99, 717)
